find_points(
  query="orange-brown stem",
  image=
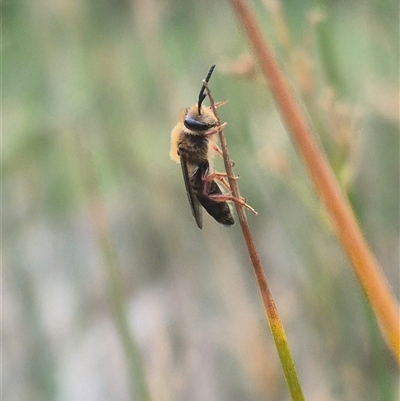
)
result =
(365, 265)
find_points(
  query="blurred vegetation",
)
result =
(110, 290)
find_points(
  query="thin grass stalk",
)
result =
(276, 326)
(365, 265)
(115, 282)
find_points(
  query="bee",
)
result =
(193, 145)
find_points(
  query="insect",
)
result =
(193, 145)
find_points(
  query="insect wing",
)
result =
(193, 201)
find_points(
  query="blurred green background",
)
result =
(110, 291)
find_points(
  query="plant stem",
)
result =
(274, 321)
(364, 263)
(115, 282)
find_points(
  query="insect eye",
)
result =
(195, 125)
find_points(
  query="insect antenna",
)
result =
(202, 95)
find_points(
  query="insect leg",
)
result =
(217, 150)
(209, 185)
(228, 197)
(221, 178)
(221, 103)
(214, 130)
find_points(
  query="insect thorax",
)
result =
(195, 147)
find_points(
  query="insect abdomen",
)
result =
(219, 210)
